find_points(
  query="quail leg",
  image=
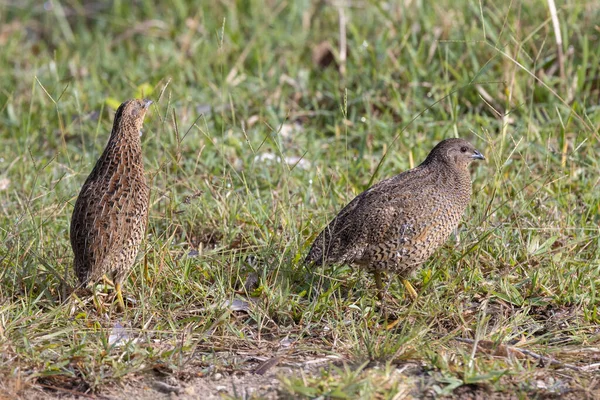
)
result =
(146, 271)
(412, 293)
(380, 293)
(120, 302)
(378, 284)
(107, 281)
(97, 303)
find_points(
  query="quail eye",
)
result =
(463, 149)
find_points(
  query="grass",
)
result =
(251, 147)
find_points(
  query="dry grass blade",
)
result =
(558, 36)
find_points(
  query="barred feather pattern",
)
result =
(111, 212)
(398, 223)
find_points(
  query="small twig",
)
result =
(166, 388)
(591, 367)
(74, 392)
(550, 360)
(267, 365)
(545, 359)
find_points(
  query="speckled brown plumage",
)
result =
(110, 215)
(398, 223)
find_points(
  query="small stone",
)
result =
(4, 183)
(189, 390)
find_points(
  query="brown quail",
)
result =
(111, 212)
(398, 223)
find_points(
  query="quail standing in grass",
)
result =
(398, 223)
(111, 212)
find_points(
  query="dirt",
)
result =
(253, 377)
(217, 386)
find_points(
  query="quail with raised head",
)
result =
(111, 212)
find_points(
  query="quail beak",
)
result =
(477, 155)
(146, 106)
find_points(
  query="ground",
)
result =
(268, 117)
